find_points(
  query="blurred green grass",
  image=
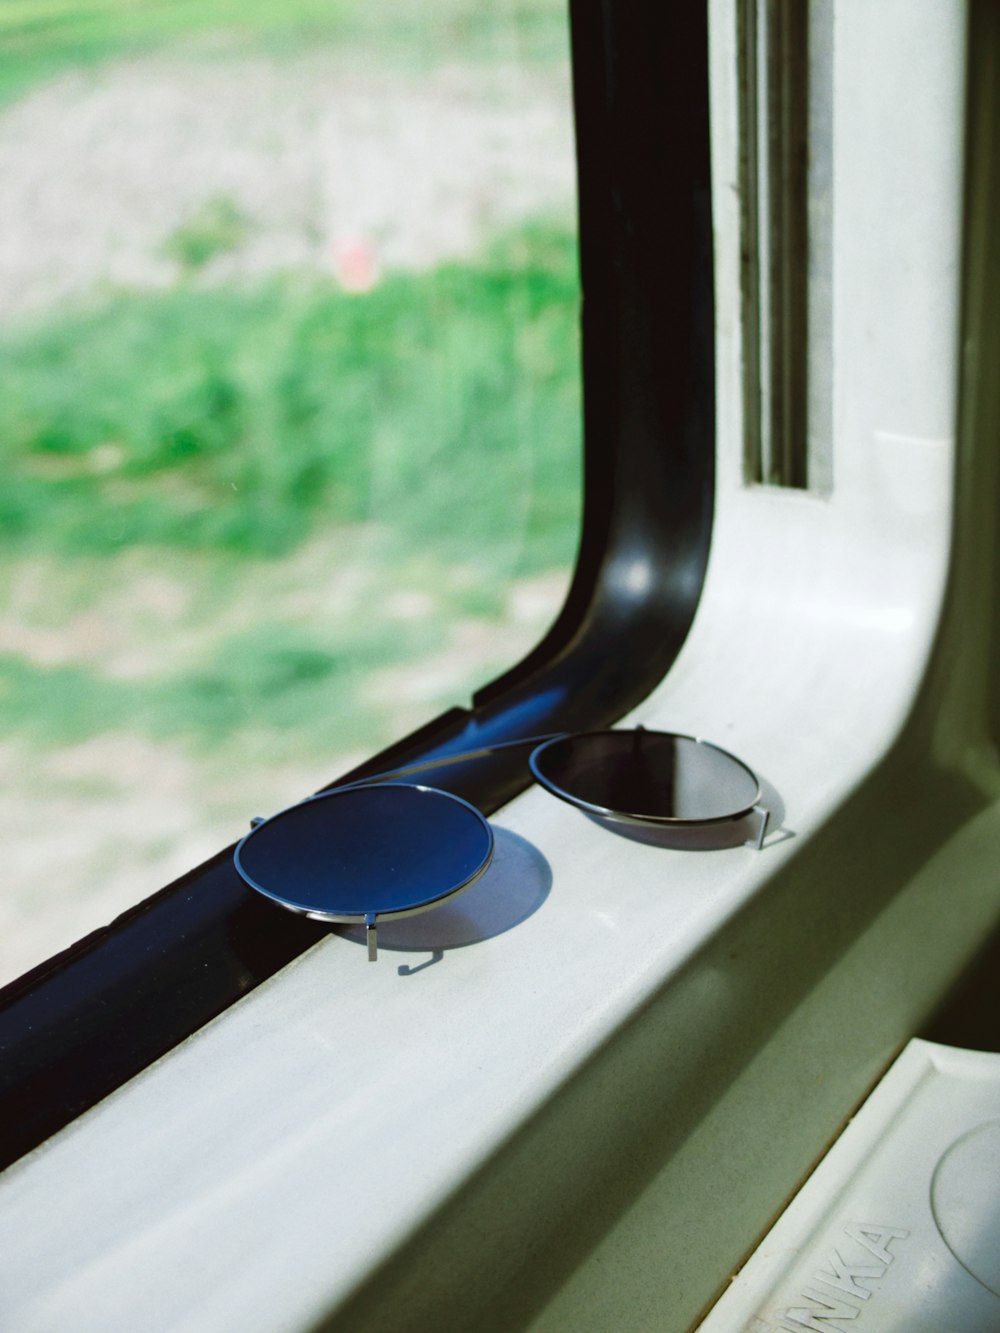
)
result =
(434, 420)
(230, 427)
(40, 39)
(268, 676)
(240, 418)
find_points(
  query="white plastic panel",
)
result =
(898, 1230)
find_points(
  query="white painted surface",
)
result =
(253, 1177)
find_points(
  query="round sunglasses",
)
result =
(384, 848)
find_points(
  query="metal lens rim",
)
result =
(624, 816)
(359, 918)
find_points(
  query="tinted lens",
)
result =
(649, 776)
(383, 849)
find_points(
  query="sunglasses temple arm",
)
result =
(763, 820)
(371, 936)
(411, 770)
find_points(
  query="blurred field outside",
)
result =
(289, 410)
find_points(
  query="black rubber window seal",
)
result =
(87, 1020)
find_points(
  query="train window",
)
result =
(290, 420)
(468, 315)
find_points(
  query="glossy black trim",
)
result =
(83, 1023)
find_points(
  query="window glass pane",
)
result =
(289, 409)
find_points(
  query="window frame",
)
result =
(83, 1023)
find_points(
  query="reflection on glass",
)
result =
(289, 420)
(646, 776)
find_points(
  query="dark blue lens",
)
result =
(646, 776)
(383, 849)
